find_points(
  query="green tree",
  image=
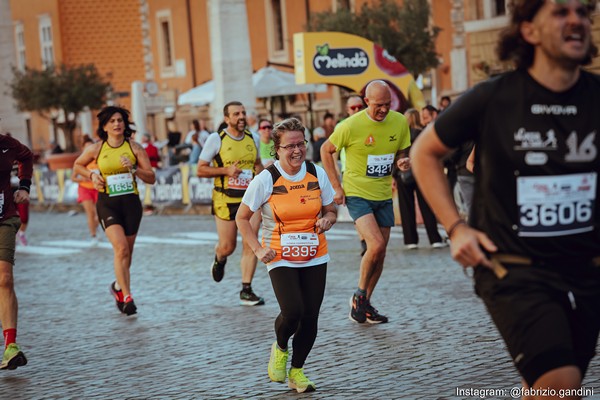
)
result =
(403, 31)
(66, 89)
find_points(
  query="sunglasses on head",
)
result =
(356, 108)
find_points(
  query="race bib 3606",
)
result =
(556, 205)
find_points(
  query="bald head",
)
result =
(378, 98)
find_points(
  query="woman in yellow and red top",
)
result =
(120, 161)
(296, 201)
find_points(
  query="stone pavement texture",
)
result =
(191, 339)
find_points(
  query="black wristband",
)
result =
(25, 184)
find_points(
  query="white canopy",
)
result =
(198, 96)
(267, 82)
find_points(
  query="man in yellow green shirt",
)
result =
(374, 139)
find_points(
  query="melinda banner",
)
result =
(353, 61)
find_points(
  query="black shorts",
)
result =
(123, 210)
(548, 315)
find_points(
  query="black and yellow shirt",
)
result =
(118, 179)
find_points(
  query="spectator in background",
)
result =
(465, 181)
(55, 148)
(428, 115)
(155, 163)
(251, 119)
(407, 190)
(151, 150)
(266, 150)
(445, 103)
(319, 137)
(196, 137)
(174, 137)
(328, 124)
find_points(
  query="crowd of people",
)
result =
(526, 224)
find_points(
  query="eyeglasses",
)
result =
(356, 108)
(292, 147)
(265, 127)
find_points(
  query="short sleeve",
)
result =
(211, 147)
(327, 192)
(459, 122)
(258, 191)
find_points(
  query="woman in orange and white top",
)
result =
(296, 201)
(87, 195)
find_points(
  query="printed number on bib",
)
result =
(379, 166)
(556, 205)
(120, 184)
(299, 247)
(242, 181)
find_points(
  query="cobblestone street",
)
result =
(191, 339)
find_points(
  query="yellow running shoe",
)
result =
(297, 380)
(277, 364)
(13, 357)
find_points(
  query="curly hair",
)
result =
(104, 117)
(287, 125)
(513, 47)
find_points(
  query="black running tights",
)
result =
(299, 292)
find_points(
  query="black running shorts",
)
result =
(125, 210)
(548, 315)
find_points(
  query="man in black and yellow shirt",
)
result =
(231, 157)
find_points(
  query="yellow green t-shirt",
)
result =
(371, 149)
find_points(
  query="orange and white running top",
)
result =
(291, 205)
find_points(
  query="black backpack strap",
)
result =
(275, 174)
(310, 168)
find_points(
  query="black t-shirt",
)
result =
(536, 163)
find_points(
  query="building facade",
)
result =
(169, 46)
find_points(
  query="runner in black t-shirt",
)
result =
(534, 236)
